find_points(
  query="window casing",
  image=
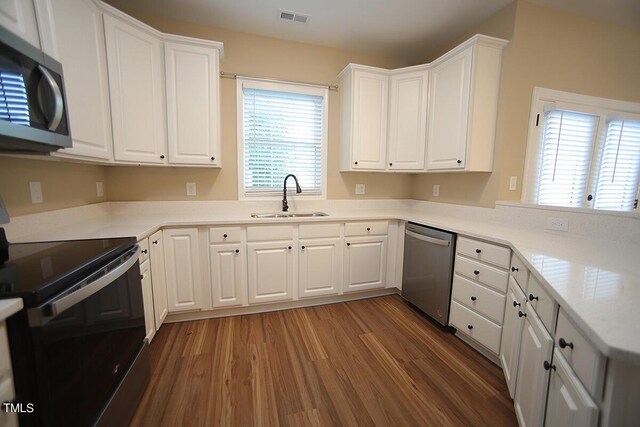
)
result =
(582, 152)
(282, 129)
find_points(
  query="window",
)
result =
(282, 129)
(583, 152)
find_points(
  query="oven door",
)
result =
(83, 343)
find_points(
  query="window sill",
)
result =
(633, 214)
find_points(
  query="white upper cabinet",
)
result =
(193, 101)
(427, 118)
(72, 32)
(135, 59)
(463, 100)
(407, 120)
(448, 112)
(19, 17)
(365, 98)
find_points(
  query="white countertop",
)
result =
(9, 307)
(595, 280)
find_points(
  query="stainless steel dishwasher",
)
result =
(428, 270)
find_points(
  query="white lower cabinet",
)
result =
(182, 266)
(512, 334)
(228, 275)
(533, 371)
(365, 263)
(158, 278)
(270, 271)
(319, 267)
(147, 298)
(568, 402)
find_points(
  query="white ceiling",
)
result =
(407, 29)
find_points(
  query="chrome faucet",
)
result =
(285, 205)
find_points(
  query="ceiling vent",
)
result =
(294, 16)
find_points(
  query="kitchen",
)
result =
(139, 201)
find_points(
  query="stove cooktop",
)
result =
(37, 271)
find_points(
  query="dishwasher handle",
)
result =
(428, 239)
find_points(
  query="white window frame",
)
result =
(542, 97)
(281, 86)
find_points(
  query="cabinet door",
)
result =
(136, 85)
(193, 116)
(449, 85)
(533, 378)
(319, 267)
(182, 265)
(147, 298)
(408, 121)
(228, 277)
(512, 334)
(158, 278)
(569, 403)
(19, 17)
(72, 32)
(365, 263)
(270, 271)
(369, 138)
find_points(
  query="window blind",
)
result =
(616, 185)
(283, 134)
(14, 106)
(565, 158)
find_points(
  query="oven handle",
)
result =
(40, 316)
(427, 238)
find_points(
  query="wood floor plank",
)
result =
(362, 363)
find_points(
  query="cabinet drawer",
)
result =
(475, 326)
(519, 272)
(542, 302)
(482, 251)
(586, 361)
(225, 235)
(269, 232)
(144, 250)
(482, 273)
(7, 394)
(485, 301)
(315, 231)
(365, 228)
(5, 355)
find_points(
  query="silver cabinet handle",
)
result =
(427, 239)
(41, 315)
(57, 93)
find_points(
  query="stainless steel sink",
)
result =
(289, 215)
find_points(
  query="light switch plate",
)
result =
(513, 183)
(558, 224)
(360, 189)
(191, 188)
(436, 190)
(35, 188)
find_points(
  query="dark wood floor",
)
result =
(368, 362)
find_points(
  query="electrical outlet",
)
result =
(359, 189)
(99, 189)
(513, 183)
(436, 190)
(36, 192)
(558, 224)
(191, 188)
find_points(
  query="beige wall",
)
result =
(64, 185)
(550, 49)
(262, 57)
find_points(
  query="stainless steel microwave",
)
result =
(33, 109)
